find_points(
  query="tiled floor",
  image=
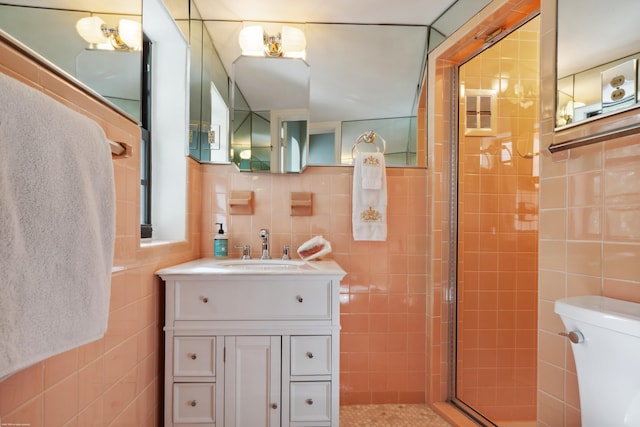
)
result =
(390, 415)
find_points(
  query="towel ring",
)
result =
(368, 137)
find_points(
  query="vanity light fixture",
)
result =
(290, 42)
(127, 36)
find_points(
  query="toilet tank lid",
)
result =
(609, 313)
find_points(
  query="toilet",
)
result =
(605, 338)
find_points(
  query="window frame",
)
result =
(146, 229)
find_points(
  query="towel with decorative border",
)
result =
(369, 215)
(57, 227)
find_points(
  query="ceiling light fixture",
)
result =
(290, 42)
(127, 36)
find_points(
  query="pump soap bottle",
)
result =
(220, 244)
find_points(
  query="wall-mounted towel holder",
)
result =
(369, 137)
(119, 150)
(301, 203)
(241, 202)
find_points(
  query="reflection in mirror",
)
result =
(597, 59)
(208, 89)
(398, 133)
(108, 65)
(459, 13)
(270, 114)
(341, 92)
(351, 80)
(324, 146)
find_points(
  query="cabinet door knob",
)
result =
(274, 406)
(309, 401)
(309, 355)
(205, 300)
(193, 403)
(193, 356)
(299, 298)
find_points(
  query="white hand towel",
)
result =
(57, 227)
(372, 170)
(369, 215)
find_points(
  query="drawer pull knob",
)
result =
(193, 356)
(309, 355)
(274, 406)
(193, 403)
(205, 300)
(299, 298)
(309, 401)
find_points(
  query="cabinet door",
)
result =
(252, 381)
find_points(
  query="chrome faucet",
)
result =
(264, 235)
(246, 251)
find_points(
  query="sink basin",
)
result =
(265, 264)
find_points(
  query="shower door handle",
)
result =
(575, 337)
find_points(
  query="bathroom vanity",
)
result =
(252, 343)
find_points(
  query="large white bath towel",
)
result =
(369, 210)
(57, 227)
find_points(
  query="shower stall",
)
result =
(494, 266)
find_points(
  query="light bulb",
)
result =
(90, 29)
(251, 40)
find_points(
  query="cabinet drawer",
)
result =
(194, 403)
(201, 300)
(194, 356)
(311, 355)
(311, 401)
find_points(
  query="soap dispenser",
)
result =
(220, 243)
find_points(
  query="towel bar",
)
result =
(119, 149)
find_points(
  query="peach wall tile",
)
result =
(555, 286)
(621, 223)
(551, 378)
(60, 366)
(587, 158)
(624, 290)
(583, 285)
(553, 254)
(90, 383)
(21, 387)
(585, 189)
(30, 414)
(553, 193)
(61, 402)
(621, 261)
(550, 411)
(585, 223)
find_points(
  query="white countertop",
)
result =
(225, 267)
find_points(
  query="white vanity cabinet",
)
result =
(252, 344)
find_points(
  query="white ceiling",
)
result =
(366, 58)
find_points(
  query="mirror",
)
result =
(598, 52)
(351, 84)
(209, 93)
(358, 77)
(270, 114)
(334, 111)
(113, 73)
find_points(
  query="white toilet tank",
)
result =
(605, 338)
